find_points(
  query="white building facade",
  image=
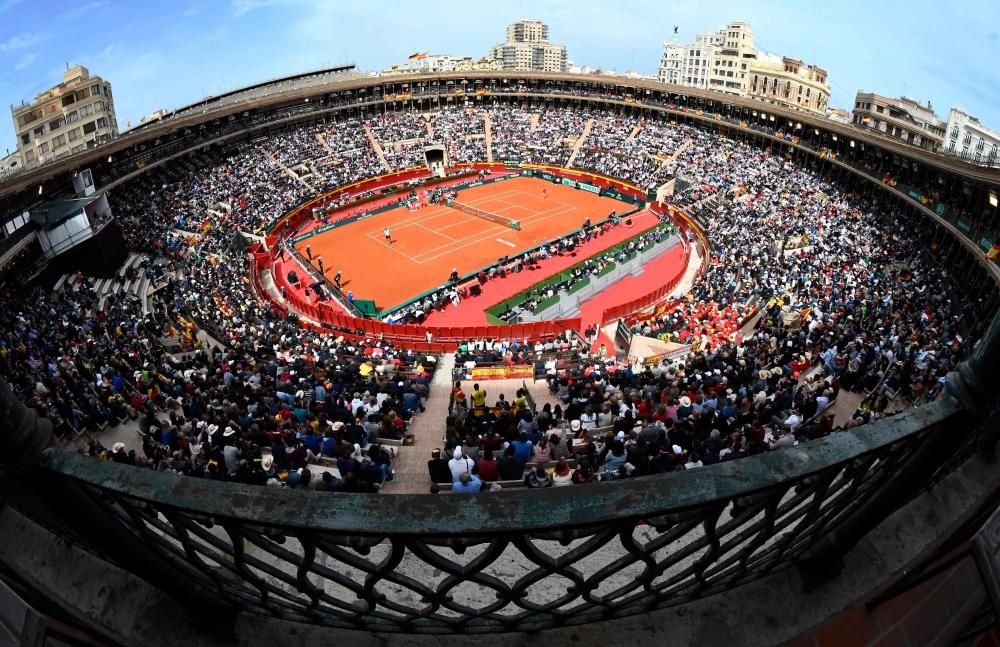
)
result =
(671, 62)
(730, 66)
(969, 139)
(698, 58)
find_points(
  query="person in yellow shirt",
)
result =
(366, 369)
(478, 396)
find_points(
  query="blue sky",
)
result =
(168, 54)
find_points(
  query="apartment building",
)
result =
(527, 49)
(971, 140)
(671, 62)
(78, 113)
(788, 82)
(730, 65)
(698, 58)
(904, 118)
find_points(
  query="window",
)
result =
(82, 94)
(29, 156)
(75, 134)
(951, 146)
(55, 124)
(24, 120)
(25, 138)
(43, 148)
(58, 141)
(39, 131)
(965, 151)
(968, 138)
(87, 110)
(89, 127)
(95, 89)
(980, 145)
(979, 156)
(102, 123)
(72, 116)
(68, 100)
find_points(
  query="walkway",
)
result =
(655, 273)
(322, 142)
(287, 171)
(579, 142)
(376, 148)
(488, 128)
(635, 133)
(427, 428)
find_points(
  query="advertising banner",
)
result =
(503, 372)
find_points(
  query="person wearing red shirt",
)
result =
(489, 467)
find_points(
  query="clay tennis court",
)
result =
(429, 242)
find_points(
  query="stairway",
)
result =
(579, 142)
(635, 132)
(288, 171)
(488, 128)
(377, 148)
(427, 428)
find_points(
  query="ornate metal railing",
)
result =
(518, 560)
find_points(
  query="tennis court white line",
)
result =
(406, 256)
(460, 222)
(434, 231)
(479, 238)
(440, 210)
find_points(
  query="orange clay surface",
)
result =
(428, 242)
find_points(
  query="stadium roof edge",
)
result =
(196, 117)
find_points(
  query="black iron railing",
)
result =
(508, 561)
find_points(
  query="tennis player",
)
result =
(388, 235)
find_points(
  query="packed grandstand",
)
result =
(813, 287)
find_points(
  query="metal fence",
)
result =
(512, 561)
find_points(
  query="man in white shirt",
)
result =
(794, 420)
(460, 464)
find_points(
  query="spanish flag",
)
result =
(418, 55)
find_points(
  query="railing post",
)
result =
(22, 432)
(977, 381)
(974, 385)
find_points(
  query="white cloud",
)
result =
(83, 9)
(20, 41)
(241, 7)
(25, 61)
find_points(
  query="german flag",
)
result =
(416, 56)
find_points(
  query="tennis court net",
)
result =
(492, 217)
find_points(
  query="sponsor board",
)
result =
(503, 372)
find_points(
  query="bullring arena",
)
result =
(686, 338)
